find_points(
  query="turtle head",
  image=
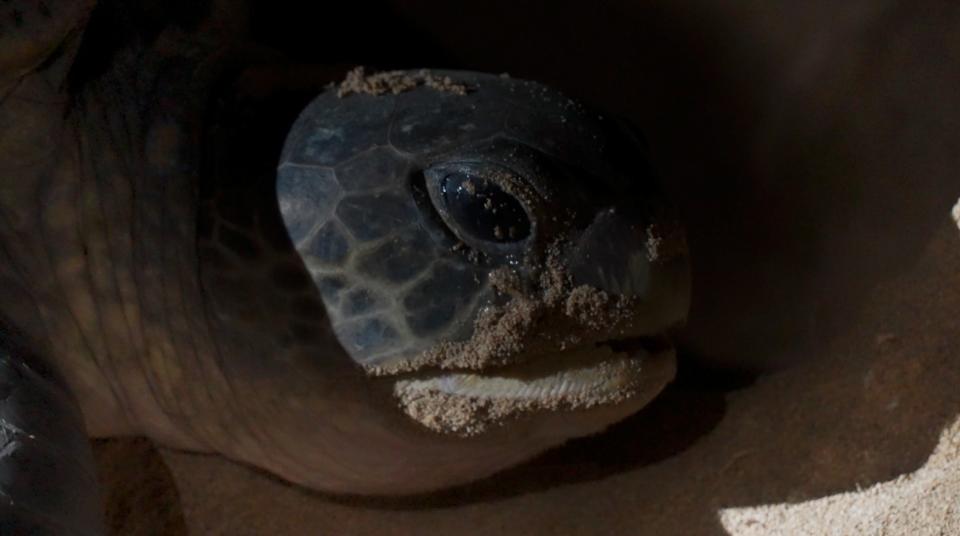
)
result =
(497, 254)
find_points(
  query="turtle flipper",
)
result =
(47, 479)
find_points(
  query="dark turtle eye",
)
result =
(484, 210)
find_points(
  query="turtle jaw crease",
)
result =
(471, 403)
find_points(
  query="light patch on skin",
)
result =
(467, 404)
(955, 213)
(924, 502)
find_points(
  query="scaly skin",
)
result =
(117, 191)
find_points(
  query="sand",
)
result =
(358, 82)
(924, 502)
(544, 313)
(545, 320)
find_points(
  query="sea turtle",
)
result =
(422, 279)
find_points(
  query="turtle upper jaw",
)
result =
(470, 403)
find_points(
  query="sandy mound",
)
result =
(921, 503)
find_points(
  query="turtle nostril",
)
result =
(613, 254)
(643, 261)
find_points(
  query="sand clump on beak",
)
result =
(537, 352)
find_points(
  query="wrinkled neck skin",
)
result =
(118, 279)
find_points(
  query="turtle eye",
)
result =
(482, 209)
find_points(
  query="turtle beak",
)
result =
(645, 261)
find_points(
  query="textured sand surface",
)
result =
(925, 502)
(358, 82)
(921, 502)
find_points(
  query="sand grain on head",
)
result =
(549, 321)
(359, 82)
(544, 314)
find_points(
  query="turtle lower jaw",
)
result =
(470, 403)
